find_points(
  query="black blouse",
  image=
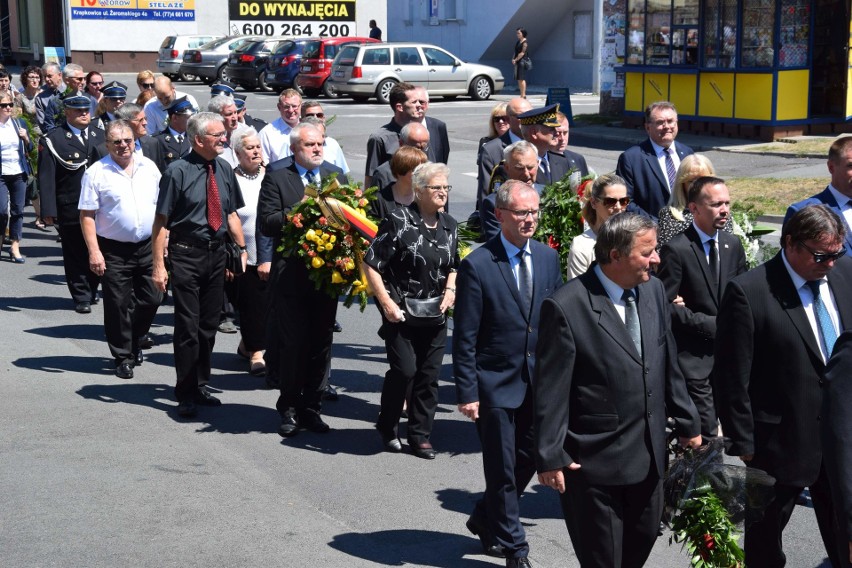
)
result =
(414, 260)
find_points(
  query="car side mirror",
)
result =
(457, 63)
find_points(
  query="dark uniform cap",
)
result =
(545, 116)
(240, 101)
(78, 102)
(115, 90)
(181, 106)
(220, 88)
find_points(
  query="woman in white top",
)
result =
(14, 170)
(252, 287)
(608, 197)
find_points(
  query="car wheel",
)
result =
(185, 77)
(450, 97)
(310, 93)
(480, 88)
(384, 89)
(328, 90)
(222, 74)
(261, 82)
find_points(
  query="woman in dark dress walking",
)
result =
(520, 53)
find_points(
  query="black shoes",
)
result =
(204, 398)
(423, 450)
(146, 341)
(124, 370)
(476, 526)
(330, 393)
(314, 423)
(83, 308)
(288, 427)
(186, 409)
(390, 442)
(138, 358)
(523, 562)
(337, 327)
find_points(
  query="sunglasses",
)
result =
(503, 118)
(146, 85)
(96, 83)
(316, 114)
(6, 105)
(611, 201)
(122, 142)
(820, 257)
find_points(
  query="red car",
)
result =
(316, 63)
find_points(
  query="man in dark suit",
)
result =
(837, 434)
(409, 104)
(576, 161)
(606, 378)
(775, 330)
(697, 265)
(146, 145)
(520, 163)
(650, 168)
(539, 127)
(838, 194)
(500, 290)
(304, 320)
(174, 143)
(491, 153)
(63, 156)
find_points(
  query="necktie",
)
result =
(83, 137)
(545, 169)
(214, 206)
(317, 179)
(713, 261)
(824, 323)
(179, 138)
(631, 319)
(671, 173)
(525, 284)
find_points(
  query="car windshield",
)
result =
(168, 42)
(347, 55)
(312, 49)
(215, 43)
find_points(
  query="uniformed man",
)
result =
(173, 141)
(116, 205)
(256, 123)
(115, 94)
(221, 88)
(64, 154)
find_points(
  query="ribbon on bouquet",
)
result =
(340, 215)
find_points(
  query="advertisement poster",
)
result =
(323, 18)
(175, 10)
(612, 56)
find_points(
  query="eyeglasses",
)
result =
(146, 85)
(216, 134)
(447, 188)
(523, 213)
(611, 201)
(502, 118)
(6, 105)
(96, 83)
(31, 77)
(83, 78)
(820, 257)
(316, 114)
(122, 142)
(288, 107)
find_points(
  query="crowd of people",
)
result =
(572, 375)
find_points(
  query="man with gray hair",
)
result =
(53, 87)
(606, 379)
(143, 144)
(520, 162)
(75, 82)
(198, 202)
(413, 134)
(224, 106)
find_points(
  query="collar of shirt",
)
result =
(704, 236)
(798, 281)
(302, 171)
(613, 290)
(660, 151)
(282, 126)
(512, 252)
(74, 130)
(514, 138)
(113, 165)
(843, 201)
(175, 133)
(137, 145)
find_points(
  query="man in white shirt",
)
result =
(117, 204)
(224, 106)
(275, 136)
(155, 109)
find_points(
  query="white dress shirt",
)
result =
(614, 291)
(661, 159)
(845, 205)
(157, 116)
(807, 299)
(275, 140)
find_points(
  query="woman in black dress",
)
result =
(521, 52)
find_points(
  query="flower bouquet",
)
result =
(330, 231)
(757, 252)
(561, 215)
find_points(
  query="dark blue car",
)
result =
(285, 62)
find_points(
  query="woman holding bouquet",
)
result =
(411, 266)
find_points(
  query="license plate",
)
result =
(160, 64)
(306, 68)
(338, 74)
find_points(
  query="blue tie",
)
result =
(826, 327)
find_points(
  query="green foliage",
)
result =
(706, 532)
(561, 217)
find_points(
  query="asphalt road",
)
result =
(100, 472)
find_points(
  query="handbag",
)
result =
(526, 62)
(233, 258)
(423, 313)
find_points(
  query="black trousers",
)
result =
(415, 355)
(763, 545)
(508, 460)
(198, 280)
(612, 526)
(82, 282)
(254, 306)
(130, 297)
(304, 330)
(701, 392)
(13, 194)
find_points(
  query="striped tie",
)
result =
(670, 169)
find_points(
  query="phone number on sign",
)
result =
(320, 29)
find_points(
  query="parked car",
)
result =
(248, 64)
(284, 63)
(170, 54)
(315, 67)
(372, 70)
(207, 62)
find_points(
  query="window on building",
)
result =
(720, 33)
(24, 24)
(583, 35)
(662, 32)
(758, 33)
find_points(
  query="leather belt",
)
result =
(186, 243)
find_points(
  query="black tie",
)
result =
(631, 319)
(525, 284)
(713, 261)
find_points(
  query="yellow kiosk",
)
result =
(748, 68)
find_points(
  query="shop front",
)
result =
(748, 68)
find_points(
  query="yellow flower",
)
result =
(332, 239)
(349, 265)
(329, 246)
(336, 277)
(310, 235)
(317, 262)
(325, 236)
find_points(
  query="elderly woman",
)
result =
(14, 169)
(675, 218)
(400, 193)
(608, 197)
(31, 80)
(252, 286)
(411, 266)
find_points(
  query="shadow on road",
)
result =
(43, 303)
(66, 363)
(412, 548)
(537, 503)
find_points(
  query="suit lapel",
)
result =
(701, 259)
(654, 166)
(498, 252)
(608, 318)
(782, 288)
(828, 198)
(727, 258)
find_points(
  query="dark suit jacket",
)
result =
(646, 182)
(596, 400)
(768, 370)
(559, 166)
(576, 161)
(490, 155)
(837, 429)
(59, 186)
(383, 144)
(493, 337)
(685, 272)
(170, 149)
(825, 197)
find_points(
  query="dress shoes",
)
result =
(522, 562)
(204, 398)
(423, 450)
(95, 299)
(186, 408)
(288, 427)
(124, 370)
(390, 442)
(330, 393)
(314, 423)
(83, 308)
(337, 327)
(146, 341)
(138, 358)
(477, 526)
(227, 326)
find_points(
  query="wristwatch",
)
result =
(243, 249)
